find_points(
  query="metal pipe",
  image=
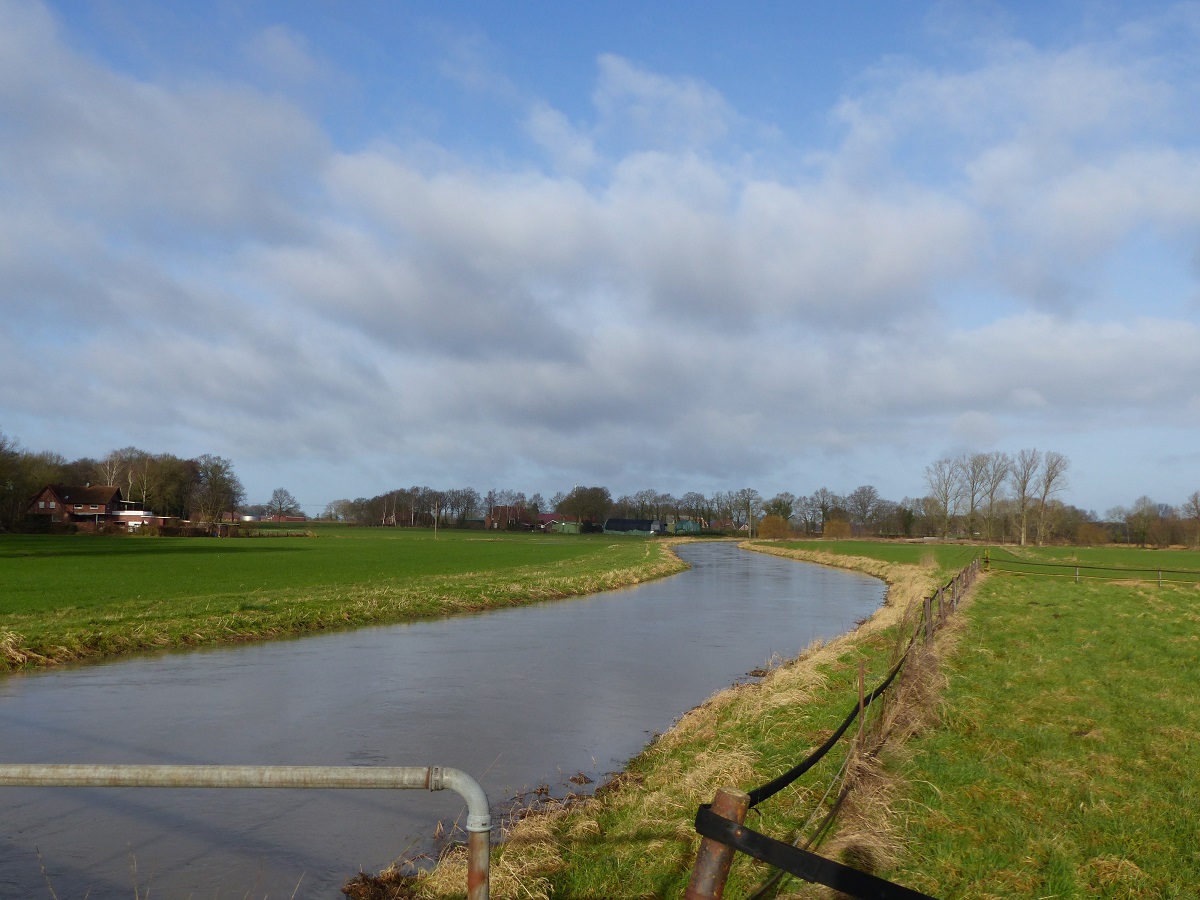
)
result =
(433, 778)
(713, 860)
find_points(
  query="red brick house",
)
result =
(90, 504)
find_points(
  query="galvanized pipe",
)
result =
(433, 778)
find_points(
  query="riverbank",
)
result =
(1056, 758)
(71, 598)
(635, 837)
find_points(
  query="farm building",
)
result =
(74, 503)
(88, 507)
(633, 526)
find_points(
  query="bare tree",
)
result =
(1053, 478)
(283, 504)
(995, 474)
(782, 505)
(1023, 475)
(972, 475)
(945, 492)
(825, 501)
(1191, 509)
(747, 502)
(217, 490)
(862, 503)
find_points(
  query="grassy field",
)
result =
(1058, 760)
(946, 558)
(76, 596)
(1100, 563)
(1065, 764)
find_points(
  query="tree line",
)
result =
(993, 496)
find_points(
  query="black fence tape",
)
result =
(773, 787)
(801, 863)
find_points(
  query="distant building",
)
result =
(89, 507)
(75, 504)
(633, 526)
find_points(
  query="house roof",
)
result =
(73, 494)
(630, 524)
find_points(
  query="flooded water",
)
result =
(516, 698)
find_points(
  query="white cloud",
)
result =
(284, 54)
(572, 151)
(656, 111)
(653, 304)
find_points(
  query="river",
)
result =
(516, 698)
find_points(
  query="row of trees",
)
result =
(977, 488)
(990, 496)
(1147, 523)
(202, 488)
(993, 496)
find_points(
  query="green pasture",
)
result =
(948, 558)
(1065, 765)
(1110, 563)
(45, 572)
(71, 596)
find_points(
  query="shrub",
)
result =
(773, 528)
(837, 530)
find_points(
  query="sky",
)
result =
(360, 246)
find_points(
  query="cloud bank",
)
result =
(1000, 253)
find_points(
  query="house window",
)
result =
(52, 504)
(94, 506)
(41, 504)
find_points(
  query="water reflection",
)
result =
(517, 698)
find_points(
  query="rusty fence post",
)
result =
(713, 859)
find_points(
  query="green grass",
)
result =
(73, 596)
(949, 558)
(1066, 762)
(1108, 563)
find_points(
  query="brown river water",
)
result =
(517, 698)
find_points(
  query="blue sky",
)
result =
(355, 247)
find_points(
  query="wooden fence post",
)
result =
(713, 859)
(928, 619)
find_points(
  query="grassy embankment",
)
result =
(75, 597)
(1059, 762)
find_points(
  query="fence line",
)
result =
(720, 823)
(1081, 571)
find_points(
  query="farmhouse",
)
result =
(92, 504)
(88, 507)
